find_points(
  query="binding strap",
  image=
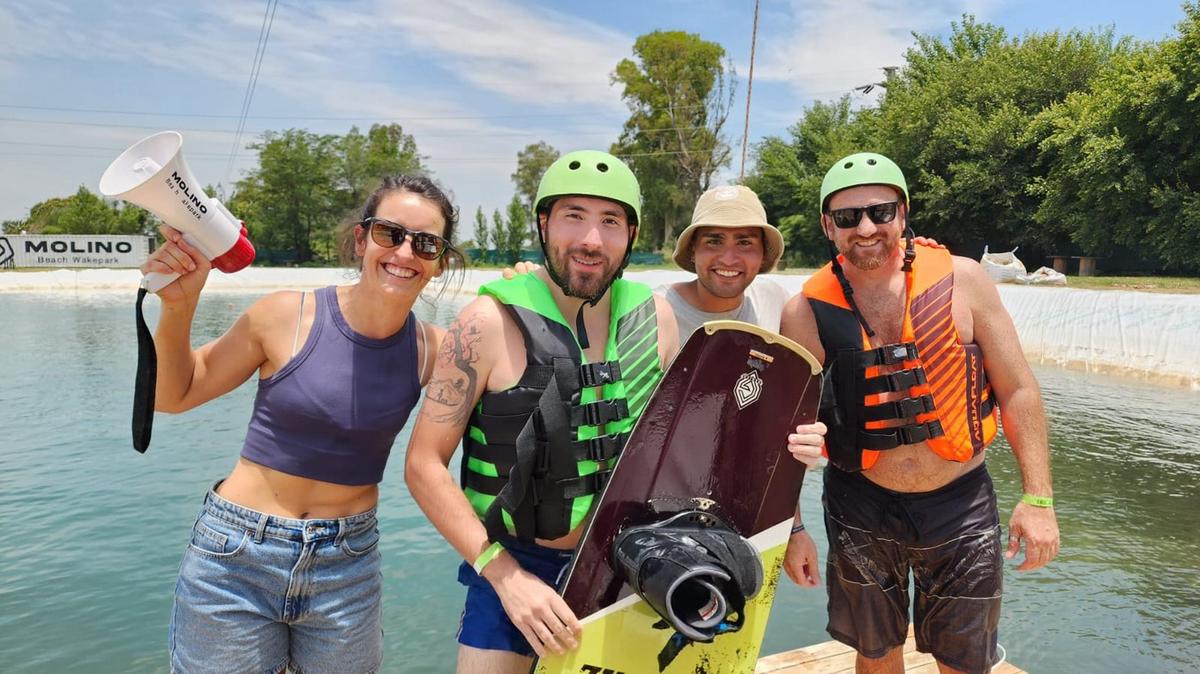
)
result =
(144, 381)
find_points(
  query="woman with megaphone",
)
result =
(283, 567)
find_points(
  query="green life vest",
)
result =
(536, 455)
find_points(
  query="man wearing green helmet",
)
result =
(919, 354)
(541, 378)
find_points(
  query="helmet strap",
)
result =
(910, 252)
(847, 290)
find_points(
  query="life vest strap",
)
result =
(890, 438)
(599, 412)
(592, 483)
(601, 448)
(901, 380)
(484, 484)
(905, 408)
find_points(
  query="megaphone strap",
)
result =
(145, 380)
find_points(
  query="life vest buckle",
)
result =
(908, 408)
(894, 354)
(599, 412)
(599, 374)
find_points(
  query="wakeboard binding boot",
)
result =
(693, 569)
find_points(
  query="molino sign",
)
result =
(73, 251)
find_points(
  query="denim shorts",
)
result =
(257, 593)
(484, 624)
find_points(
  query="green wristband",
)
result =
(1038, 501)
(486, 557)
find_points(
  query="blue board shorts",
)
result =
(257, 593)
(949, 539)
(484, 624)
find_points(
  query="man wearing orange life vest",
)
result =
(920, 359)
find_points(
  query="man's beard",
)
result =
(581, 284)
(871, 261)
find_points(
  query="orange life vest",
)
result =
(948, 403)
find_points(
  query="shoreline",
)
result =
(1116, 332)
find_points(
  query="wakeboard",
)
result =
(709, 449)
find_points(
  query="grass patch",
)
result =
(1151, 284)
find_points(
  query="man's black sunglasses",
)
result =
(848, 218)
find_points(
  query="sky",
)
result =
(474, 81)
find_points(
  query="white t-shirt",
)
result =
(762, 305)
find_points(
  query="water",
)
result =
(96, 531)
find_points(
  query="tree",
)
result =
(959, 119)
(307, 183)
(363, 161)
(499, 231)
(481, 229)
(1124, 156)
(85, 213)
(679, 89)
(787, 174)
(532, 163)
(516, 230)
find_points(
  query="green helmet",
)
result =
(590, 173)
(864, 168)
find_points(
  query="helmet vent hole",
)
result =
(870, 162)
(574, 166)
(602, 167)
(847, 164)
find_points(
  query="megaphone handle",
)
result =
(155, 281)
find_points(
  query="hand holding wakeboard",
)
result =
(678, 566)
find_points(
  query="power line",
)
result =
(264, 34)
(422, 134)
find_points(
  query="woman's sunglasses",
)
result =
(848, 218)
(389, 235)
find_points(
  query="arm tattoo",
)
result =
(455, 377)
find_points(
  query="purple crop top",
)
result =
(333, 411)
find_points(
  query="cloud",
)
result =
(828, 47)
(448, 71)
(536, 56)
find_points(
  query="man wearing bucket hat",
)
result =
(727, 245)
(919, 355)
(573, 335)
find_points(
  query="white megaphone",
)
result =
(152, 174)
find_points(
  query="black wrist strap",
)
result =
(145, 380)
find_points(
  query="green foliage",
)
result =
(532, 162)
(679, 89)
(1124, 172)
(83, 213)
(788, 174)
(516, 230)
(498, 232)
(307, 183)
(482, 236)
(960, 119)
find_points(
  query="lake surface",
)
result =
(98, 530)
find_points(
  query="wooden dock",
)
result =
(834, 657)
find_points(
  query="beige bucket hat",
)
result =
(729, 206)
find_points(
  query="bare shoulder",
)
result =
(275, 311)
(970, 278)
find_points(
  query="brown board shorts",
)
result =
(949, 539)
